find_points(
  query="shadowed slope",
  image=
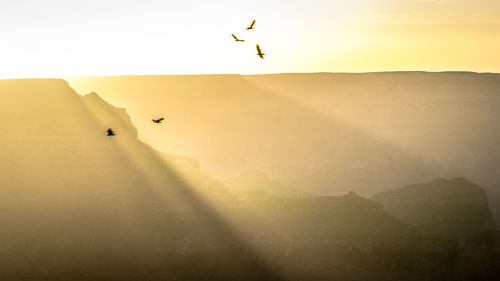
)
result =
(77, 205)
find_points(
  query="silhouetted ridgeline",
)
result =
(455, 224)
(454, 207)
(76, 204)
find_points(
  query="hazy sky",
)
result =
(55, 38)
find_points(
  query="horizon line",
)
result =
(253, 74)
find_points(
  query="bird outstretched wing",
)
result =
(234, 36)
(259, 51)
(251, 25)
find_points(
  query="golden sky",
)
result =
(56, 38)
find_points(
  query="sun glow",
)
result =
(74, 38)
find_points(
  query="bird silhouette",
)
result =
(251, 25)
(158, 120)
(236, 38)
(259, 52)
(110, 132)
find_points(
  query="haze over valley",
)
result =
(80, 205)
(255, 140)
(322, 133)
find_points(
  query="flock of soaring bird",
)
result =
(259, 51)
(110, 132)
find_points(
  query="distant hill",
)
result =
(456, 229)
(327, 132)
(336, 238)
(455, 207)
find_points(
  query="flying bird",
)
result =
(259, 52)
(236, 38)
(110, 132)
(251, 25)
(158, 120)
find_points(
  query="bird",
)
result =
(251, 25)
(158, 120)
(259, 52)
(110, 132)
(236, 38)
